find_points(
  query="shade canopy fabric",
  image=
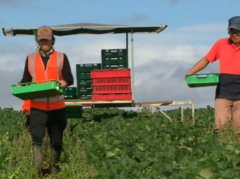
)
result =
(86, 28)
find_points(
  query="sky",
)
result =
(160, 60)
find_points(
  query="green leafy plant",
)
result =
(114, 143)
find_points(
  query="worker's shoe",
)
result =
(37, 161)
(55, 157)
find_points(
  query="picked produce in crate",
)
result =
(34, 90)
(202, 80)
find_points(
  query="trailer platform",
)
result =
(130, 103)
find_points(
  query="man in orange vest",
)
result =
(50, 112)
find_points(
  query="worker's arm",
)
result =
(26, 108)
(199, 66)
(26, 113)
(26, 75)
(66, 72)
(210, 57)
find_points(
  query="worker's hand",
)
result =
(63, 83)
(189, 73)
(186, 77)
(26, 113)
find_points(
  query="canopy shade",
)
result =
(83, 28)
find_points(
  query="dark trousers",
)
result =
(55, 121)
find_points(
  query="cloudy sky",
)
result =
(160, 60)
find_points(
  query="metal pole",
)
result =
(132, 70)
(158, 108)
(193, 115)
(181, 112)
(127, 42)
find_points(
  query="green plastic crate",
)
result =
(114, 53)
(74, 111)
(114, 57)
(70, 92)
(85, 91)
(85, 97)
(120, 62)
(87, 68)
(74, 115)
(83, 76)
(34, 90)
(114, 66)
(84, 83)
(202, 80)
(107, 63)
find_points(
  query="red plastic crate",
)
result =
(126, 96)
(112, 81)
(106, 73)
(112, 89)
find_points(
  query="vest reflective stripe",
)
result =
(50, 73)
(32, 66)
(60, 59)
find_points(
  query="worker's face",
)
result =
(234, 35)
(45, 45)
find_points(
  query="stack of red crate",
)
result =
(111, 84)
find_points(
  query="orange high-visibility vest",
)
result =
(26, 105)
(53, 72)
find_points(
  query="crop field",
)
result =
(118, 144)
